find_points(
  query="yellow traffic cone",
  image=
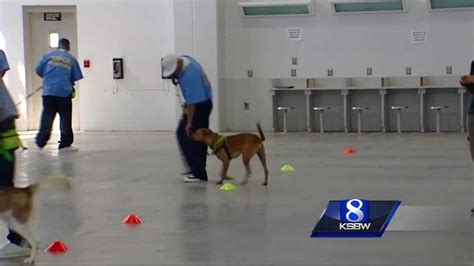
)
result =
(228, 187)
(287, 168)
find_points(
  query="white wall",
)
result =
(139, 31)
(196, 34)
(349, 43)
(142, 31)
(257, 93)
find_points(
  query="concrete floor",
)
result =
(116, 174)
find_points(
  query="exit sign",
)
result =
(52, 16)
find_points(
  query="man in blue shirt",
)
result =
(9, 142)
(197, 94)
(468, 83)
(59, 70)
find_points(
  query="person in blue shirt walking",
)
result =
(59, 70)
(196, 90)
(9, 241)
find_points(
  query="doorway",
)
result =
(44, 25)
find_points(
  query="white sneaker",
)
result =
(68, 149)
(14, 251)
(192, 179)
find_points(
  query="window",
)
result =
(269, 8)
(451, 4)
(367, 6)
(276, 10)
(53, 40)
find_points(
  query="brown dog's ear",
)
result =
(199, 134)
(194, 134)
(203, 132)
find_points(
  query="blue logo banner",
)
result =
(355, 218)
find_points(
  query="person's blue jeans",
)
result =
(51, 106)
(194, 152)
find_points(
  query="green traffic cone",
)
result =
(287, 168)
(228, 187)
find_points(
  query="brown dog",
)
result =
(17, 207)
(468, 83)
(230, 147)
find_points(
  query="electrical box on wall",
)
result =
(330, 72)
(118, 68)
(293, 72)
(369, 71)
(250, 73)
(449, 70)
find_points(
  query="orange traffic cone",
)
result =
(132, 219)
(350, 151)
(57, 247)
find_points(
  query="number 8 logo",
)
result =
(354, 210)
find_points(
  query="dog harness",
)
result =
(10, 141)
(220, 143)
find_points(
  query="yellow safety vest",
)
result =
(10, 141)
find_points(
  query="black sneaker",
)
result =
(193, 179)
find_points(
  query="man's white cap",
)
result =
(169, 64)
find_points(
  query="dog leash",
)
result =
(20, 144)
(27, 97)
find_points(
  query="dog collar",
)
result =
(220, 143)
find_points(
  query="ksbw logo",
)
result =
(355, 218)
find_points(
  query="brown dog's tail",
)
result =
(260, 132)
